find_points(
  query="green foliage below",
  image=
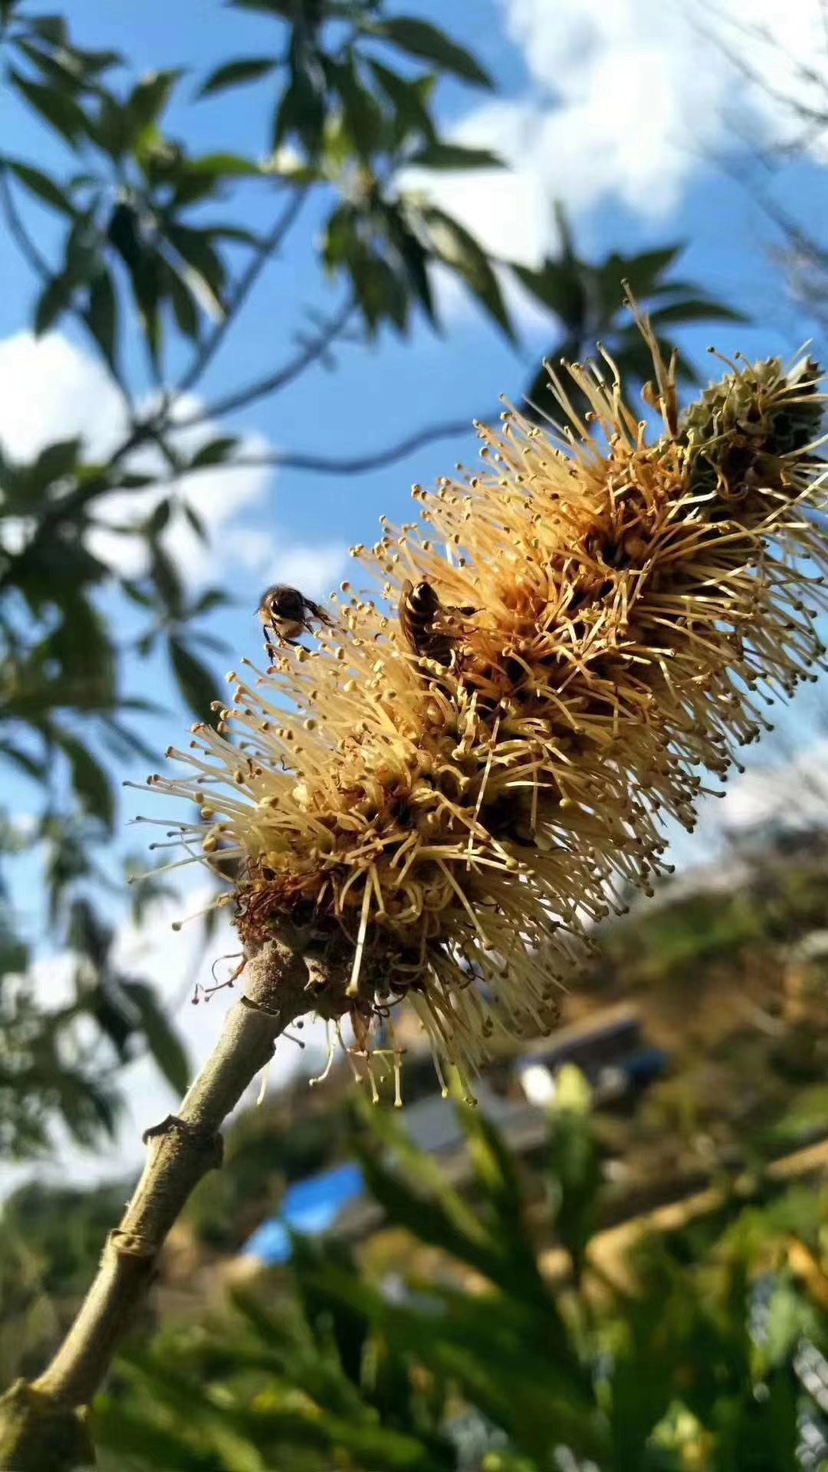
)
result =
(693, 1364)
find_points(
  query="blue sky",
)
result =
(620, 109)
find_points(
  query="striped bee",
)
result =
(287, 614)
(426, 622)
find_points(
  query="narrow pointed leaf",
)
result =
(196, 683)
(427, 42)
(41, 186)
(102, 315)
(236, 74)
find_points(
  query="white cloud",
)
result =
(794, 793)
(628, 102)
(51, 390)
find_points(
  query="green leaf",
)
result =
(60, 68)
(184, 305)
(420, 38)
(53, 301)
(124, 233)
(453, 156)
(195, 681)
(82, 250)
(51, 28)
(696, 309)
(643, 271)
(380, 291)
(213, 598)
(559, 285)
(149, 99)
(109, 127)
(167, 580)
(158, 518)
(409, 97)
(89, 779)
(41, 186)
(301, 110)
(61, 112)
(413, 257)
(95, 62)
(224, 165)
(29, 764)
(281, 8)
(575, 1166)
(362, 115)
(102, 315)
(55, 462)
(164, 1043)
(453, 245)
(130, 1432)
(215, 452)
(236, 73)
(149, 278)
(208, 277)
(197, 525)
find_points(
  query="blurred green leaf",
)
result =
(226, 166)
(362, 115)
(235, 73)
(453, 245)
(454, 156)
(409, 96)
(54, 462)
(102, 315)
(163, 1041)
(89, 779)
(61, 112)
(52, 28)
(53, 301)
(694, 309)
(208, 278)
(167, 580)
(150, 98)
(215, 452)
(302, 106)
(643, 271)
(41, 185)
(422, 39)
(560, 287)
(195, 681)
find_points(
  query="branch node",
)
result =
(193, 1137)
(131, 1244)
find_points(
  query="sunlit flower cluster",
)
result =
(447, 833)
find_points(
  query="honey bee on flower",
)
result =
(448, 827)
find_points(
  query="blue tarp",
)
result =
(311, 1207)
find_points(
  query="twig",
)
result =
(376, 459)
(182, 1149)
(295, 366)
(357, 464)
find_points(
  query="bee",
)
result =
(425, 621)
(287, 614)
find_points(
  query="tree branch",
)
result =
(309, 354)
(358, 464)
(180, 1151)
(270, 245)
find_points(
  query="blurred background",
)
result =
(264, 263)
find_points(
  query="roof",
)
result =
(310, 1207)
